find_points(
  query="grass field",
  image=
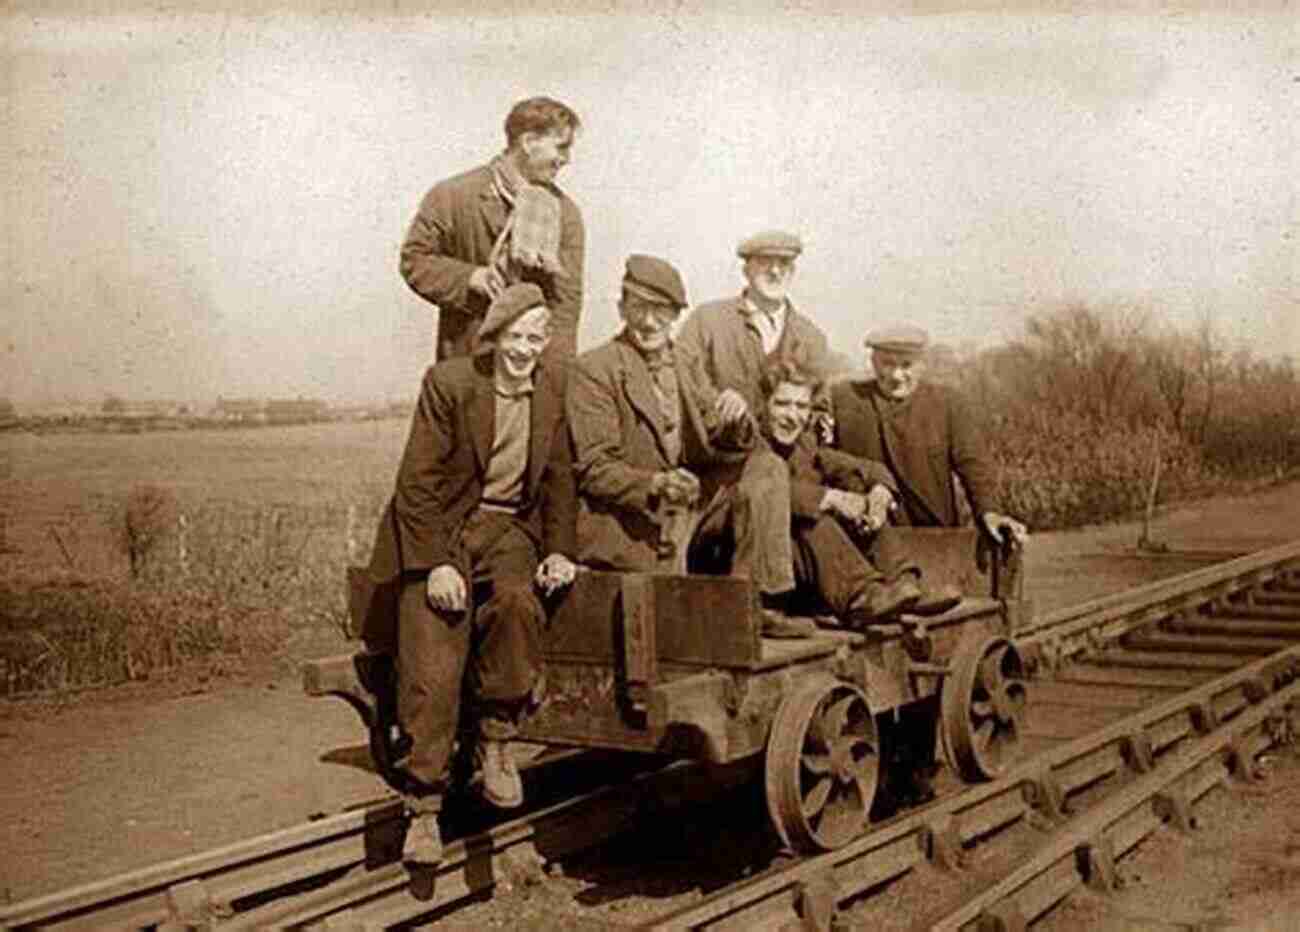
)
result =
(250, 557)
(246, 553)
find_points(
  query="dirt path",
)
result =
(119, 779)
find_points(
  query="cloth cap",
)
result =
(508, 307)
(654, 280)
(899, 339)
(770, 243)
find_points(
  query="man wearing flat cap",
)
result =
(922, 432)
(479, 530)
(501, 223)
(733, 339)
(651, 441)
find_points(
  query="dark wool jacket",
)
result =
(453, 232)
(923, 441)
(718, 338)
(618, 439)
(440, 479)
(814, 470)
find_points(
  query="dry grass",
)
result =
(242, 537)
(1066, 471)
(125, 557)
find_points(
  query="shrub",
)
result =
(149, 517)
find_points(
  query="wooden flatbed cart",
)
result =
(674, 664)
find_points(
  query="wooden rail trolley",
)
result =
(671, 663)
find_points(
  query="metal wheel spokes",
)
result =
(822, 765)
(983, 703)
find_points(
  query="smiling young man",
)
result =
(837, 501)
(480, 527)
(922, 432)
(502, 223)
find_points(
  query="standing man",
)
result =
(502, 223)
(651, 437)
(922, 432)
(484, 490)
(733, 339)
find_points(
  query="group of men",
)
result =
(524, 463)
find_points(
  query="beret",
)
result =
(655, 280)
(770, 243)
(898, 339)
(507, 307)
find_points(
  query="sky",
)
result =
(210, 200)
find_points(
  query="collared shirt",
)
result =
(769, 325)
(503, 482)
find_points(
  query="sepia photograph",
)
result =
(584, 464)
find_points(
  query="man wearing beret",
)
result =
(481, 521)
(733, 339)
(651, 439)
(922, 432)
(501, 223)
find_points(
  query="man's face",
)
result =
(770, 275)
(898, 374)
(649, 323)
(519, 345)
(788, 409)
(544, 154)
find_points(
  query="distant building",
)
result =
(252, 410)
(296, 411)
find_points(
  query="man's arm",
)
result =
(560, 493)
(602, 473)
(427, 263)
(425, 487)
(854, 473)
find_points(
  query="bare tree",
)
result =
(1209, 368)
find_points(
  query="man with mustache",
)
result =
(502, 223)
(923, 433)
(731, 340)
(653, 439)
(479, 530)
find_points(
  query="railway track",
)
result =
(1140, 702)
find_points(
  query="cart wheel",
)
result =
(822, 765)
(983, 702)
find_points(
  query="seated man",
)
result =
(834, 498)
(485, 488)
(649, 437)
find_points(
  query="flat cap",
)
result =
(507, 307)
(654, 279)
(898, 339)
(770, 243)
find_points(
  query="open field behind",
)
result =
(240, 556)
(246, 558)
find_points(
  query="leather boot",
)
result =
(497, 780)
(937, 601)
(880, 602)
(423, 843)
(777, 624)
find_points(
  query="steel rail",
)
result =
(350, 856)
(206, 888)
(1084, 851)
(1211, 716)
(1079, 626)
